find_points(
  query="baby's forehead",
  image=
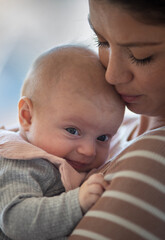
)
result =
(103, 117)
(104, 100)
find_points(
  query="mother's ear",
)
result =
(25, 109)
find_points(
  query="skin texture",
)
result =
(62, 106)
(72, 114)
(134, 60)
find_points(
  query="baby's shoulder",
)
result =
(38, 172)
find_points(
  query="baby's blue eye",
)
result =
(72, 130)
(103, 138)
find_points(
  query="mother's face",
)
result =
(134, 55)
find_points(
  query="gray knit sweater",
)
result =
(33, 204)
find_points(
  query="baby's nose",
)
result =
(87, 148)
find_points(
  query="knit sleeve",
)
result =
(29, 208)
(133, 205)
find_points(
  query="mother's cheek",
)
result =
(104, 56)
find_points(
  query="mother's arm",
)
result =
(133, 206)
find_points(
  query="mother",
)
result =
(131, 41)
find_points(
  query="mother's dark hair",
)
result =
(148, 12)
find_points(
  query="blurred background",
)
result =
(28, 28)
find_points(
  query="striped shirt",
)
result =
(133, 205)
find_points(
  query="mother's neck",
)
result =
(148, 123)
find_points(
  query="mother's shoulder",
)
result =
(153, 140)
(146, 151)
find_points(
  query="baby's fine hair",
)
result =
(56, 64)
(48, 68)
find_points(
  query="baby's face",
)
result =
(78, 115)
(76, 129)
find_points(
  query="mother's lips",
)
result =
(130, 99)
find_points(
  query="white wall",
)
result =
(29, 27)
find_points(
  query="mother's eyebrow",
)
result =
(139, 44)
(129, 44)
(91, 26)
(90, 23)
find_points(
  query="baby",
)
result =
(68, 114)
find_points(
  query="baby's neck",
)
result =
(22, 133)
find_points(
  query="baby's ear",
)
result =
(25, 109)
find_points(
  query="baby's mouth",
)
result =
(76, 165)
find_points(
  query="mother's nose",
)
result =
(118, 70)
